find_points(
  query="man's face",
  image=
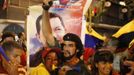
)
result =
(104, 68)
(69, 48)
(14, 55)
(57, 28)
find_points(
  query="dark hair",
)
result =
(36, 59)
(7, 34)
(13, 27)
(52, 15)
(105, 56)
(99, 56)
(77, 40)
(20, 34)
(49, 50)
(10, 45)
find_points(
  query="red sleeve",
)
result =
(23, 59)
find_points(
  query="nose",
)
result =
(65, 47)
(53, 61)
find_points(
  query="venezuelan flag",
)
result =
(129, 27)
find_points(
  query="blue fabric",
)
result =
(91, 41)
(3, 54)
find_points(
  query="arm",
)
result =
(46, 27)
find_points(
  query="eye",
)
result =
(71, 45)
(15, 55)
(55, 59)
(57, 28)
(48, 59)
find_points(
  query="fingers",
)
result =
(64, 69)
(129, 63)
(22, 71)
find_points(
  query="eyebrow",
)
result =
(69, 44)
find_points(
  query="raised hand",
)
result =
(47, 4)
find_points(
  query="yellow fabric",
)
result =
(129, 27)
(39, 70)
(95, 34)
(54, 67)
(131, 43)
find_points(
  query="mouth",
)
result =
(107, 71)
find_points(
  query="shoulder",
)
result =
(2, 71)
(39, 70)
(79, 69)
(84, 68)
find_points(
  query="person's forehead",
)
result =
(51, 54)
(55, 21)
(68, 42)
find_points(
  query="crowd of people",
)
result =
(13, 55)
(64, 53)
(67, 56)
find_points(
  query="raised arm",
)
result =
(46, 27)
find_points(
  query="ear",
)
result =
(77, 50)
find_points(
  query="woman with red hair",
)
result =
(50, 59)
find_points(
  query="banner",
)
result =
(129, 27)
(70, 11)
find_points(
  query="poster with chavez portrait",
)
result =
(71, 13)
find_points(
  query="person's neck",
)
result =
(73, 61)
(102, 73)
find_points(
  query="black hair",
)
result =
(7, 34)
(20, 34)
(10, 45)
(99, 56)
(77, 40)
(13, 27)
(105, 56)
(52, 15)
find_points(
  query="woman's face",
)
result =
(50, 60)
(57, 28)
(104, 68)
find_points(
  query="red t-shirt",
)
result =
(2, 71)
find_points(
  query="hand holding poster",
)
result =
(65, 16)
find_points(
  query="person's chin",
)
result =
(107, 72)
